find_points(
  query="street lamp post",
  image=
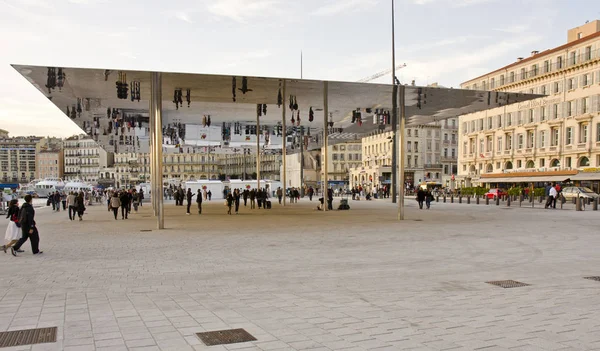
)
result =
(394, 116)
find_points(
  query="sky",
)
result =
(444, 41)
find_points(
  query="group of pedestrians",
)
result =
(424, 195)
(21, 227)
(124, 200)
(552, 192)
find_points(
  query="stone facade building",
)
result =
(557, 132)
(18, 159)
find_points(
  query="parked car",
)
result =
(571, 192)
(495, 193)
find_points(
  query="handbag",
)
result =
(226, 204)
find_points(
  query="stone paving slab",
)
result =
(296, 279)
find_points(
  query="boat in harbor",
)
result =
(48, 185)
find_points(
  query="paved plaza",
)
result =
(299, 279)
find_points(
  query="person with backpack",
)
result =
(28, 228)
(13, 231)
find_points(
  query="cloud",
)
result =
(184, 17)
(242, 10)
(338, 6)
(516, 29)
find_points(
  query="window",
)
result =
(416, 146)
(502, 80)
(554, 137)
(416, 133)
(559, 62)
(542, 162)
(554, 111)
(534, 70)
(429, 133)
(520, 141)
(523, 73)
(428, 145)
(543, 90)
(583, 130)
(568, 161)
(569, 136)
(481, 124)
(492, 83)
(464, 127)
(489, 145)
(519, 164)
(572, 58)
(546, 66)
(445, 152)
(531, 116)
(542, 113)
(511, 78)
(588, 53)
(556, 88)
(409, 159)
(499, 148)
(571, 83)
(416, 161)
(597, 132)
(499, 119)
(489, 123)
(586, 79)
(453, 153)
(509, 119)
(570, 108)
(543, 138)
(335, 157)
(519, 117)
(408, 132)
(585, 103)
(530, 139)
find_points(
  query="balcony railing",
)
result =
(433, 165)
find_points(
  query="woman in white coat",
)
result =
(13, 231)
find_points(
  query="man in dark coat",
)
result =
(28, 228)
(124, 198)
(188, 197)
(421, 197)
(199, 201)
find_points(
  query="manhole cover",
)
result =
(221, 337)
(145, 230)
(27, 337)
(593, 278)
(508, 283)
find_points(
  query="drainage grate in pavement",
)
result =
(145, 230)
(221, 337)
(508, 283)
(27, 337)
(593, 278)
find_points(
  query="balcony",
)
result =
(433, 166)
(448, 159)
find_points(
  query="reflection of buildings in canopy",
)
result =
(246, 111)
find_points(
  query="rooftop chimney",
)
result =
(534, 52)
(519, 58)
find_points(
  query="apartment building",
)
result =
(84, 159)
(17, 159)
(49, 163)
(342, 158)
(431, 153)
(559, 132)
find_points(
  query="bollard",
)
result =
(437, 198)
(451, 199)
(468, 200)
(520, 200)
(541, 198)
(577, 203)
(444, 198)
(477, 200)
(487, 200)
(508, 202)
(497, 200)
(460, 199)
(595, 205)
(532, 201)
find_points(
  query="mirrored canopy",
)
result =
(219, 112)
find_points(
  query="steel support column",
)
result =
(257, 152)
(284, 146)
(324, 158)
(151, 162)
(401, 152)
(156, 115)
(394, 182)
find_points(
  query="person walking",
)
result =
(63, 199)
(236, 198)
(553, 194)
(330, 199)
(229, 203)
(279, 194)
(252, 197)
(124, 200)
(71, 206)
(209, 195)
(115, 202)
(135, 197)
(245, 195)
(28, 228)
(420, 197)
(80, 205)
(428, 198)
(188, 197)
(13, 230)
(199, 201)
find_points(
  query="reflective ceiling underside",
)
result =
(219, 112)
